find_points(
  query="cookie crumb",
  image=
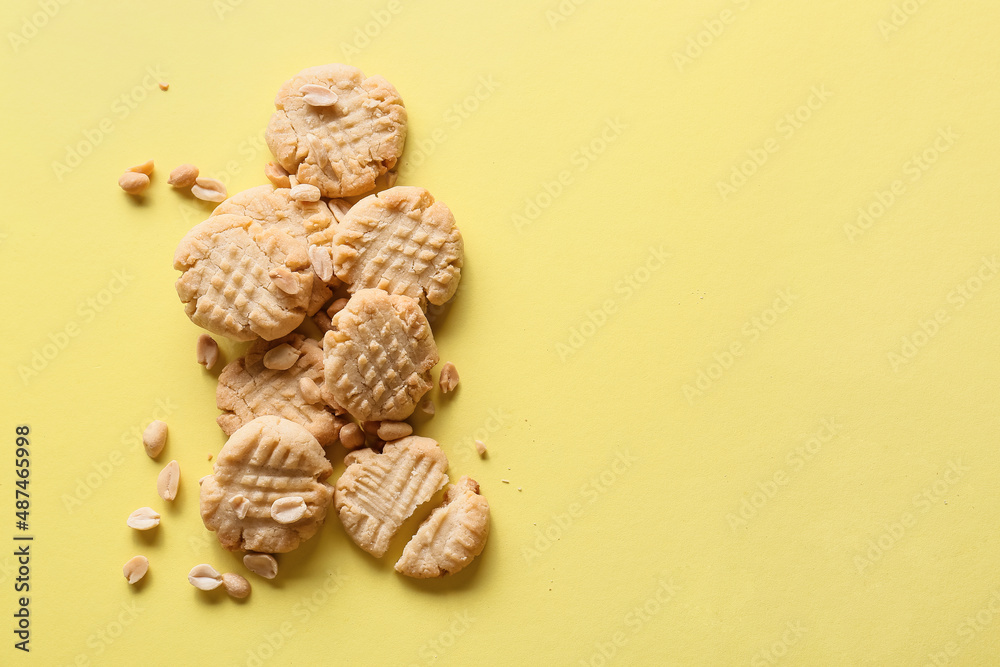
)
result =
(209, 458)
(449, 377)
(481, 447)
(427, 407)
(505, 481)
(164, 85)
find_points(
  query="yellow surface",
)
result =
(705, 450)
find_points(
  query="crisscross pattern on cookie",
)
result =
(402, 242)
(379, 357)
(226, 285)
(451, 536)
(343, 148)
(309, 222)
(268, 459)
(247, 389)
(378, 492)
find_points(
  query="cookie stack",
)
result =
(318, 243)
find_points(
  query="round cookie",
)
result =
(241, 280)
(378, 359)
(314, 223)
(266, 493)
(342, 147)
(403, 242)
(248, 389)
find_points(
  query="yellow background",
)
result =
(574, 344)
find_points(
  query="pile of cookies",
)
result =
(319, 244)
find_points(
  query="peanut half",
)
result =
(154, 438)
(209, 189)
(143, 518)
(263, 565)
(449, 377)
(288, 509)
(305, 192)
(318, 96)
(281, 358)
(207, 351)
(167, 481)
(136, 568)
(204, 577)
